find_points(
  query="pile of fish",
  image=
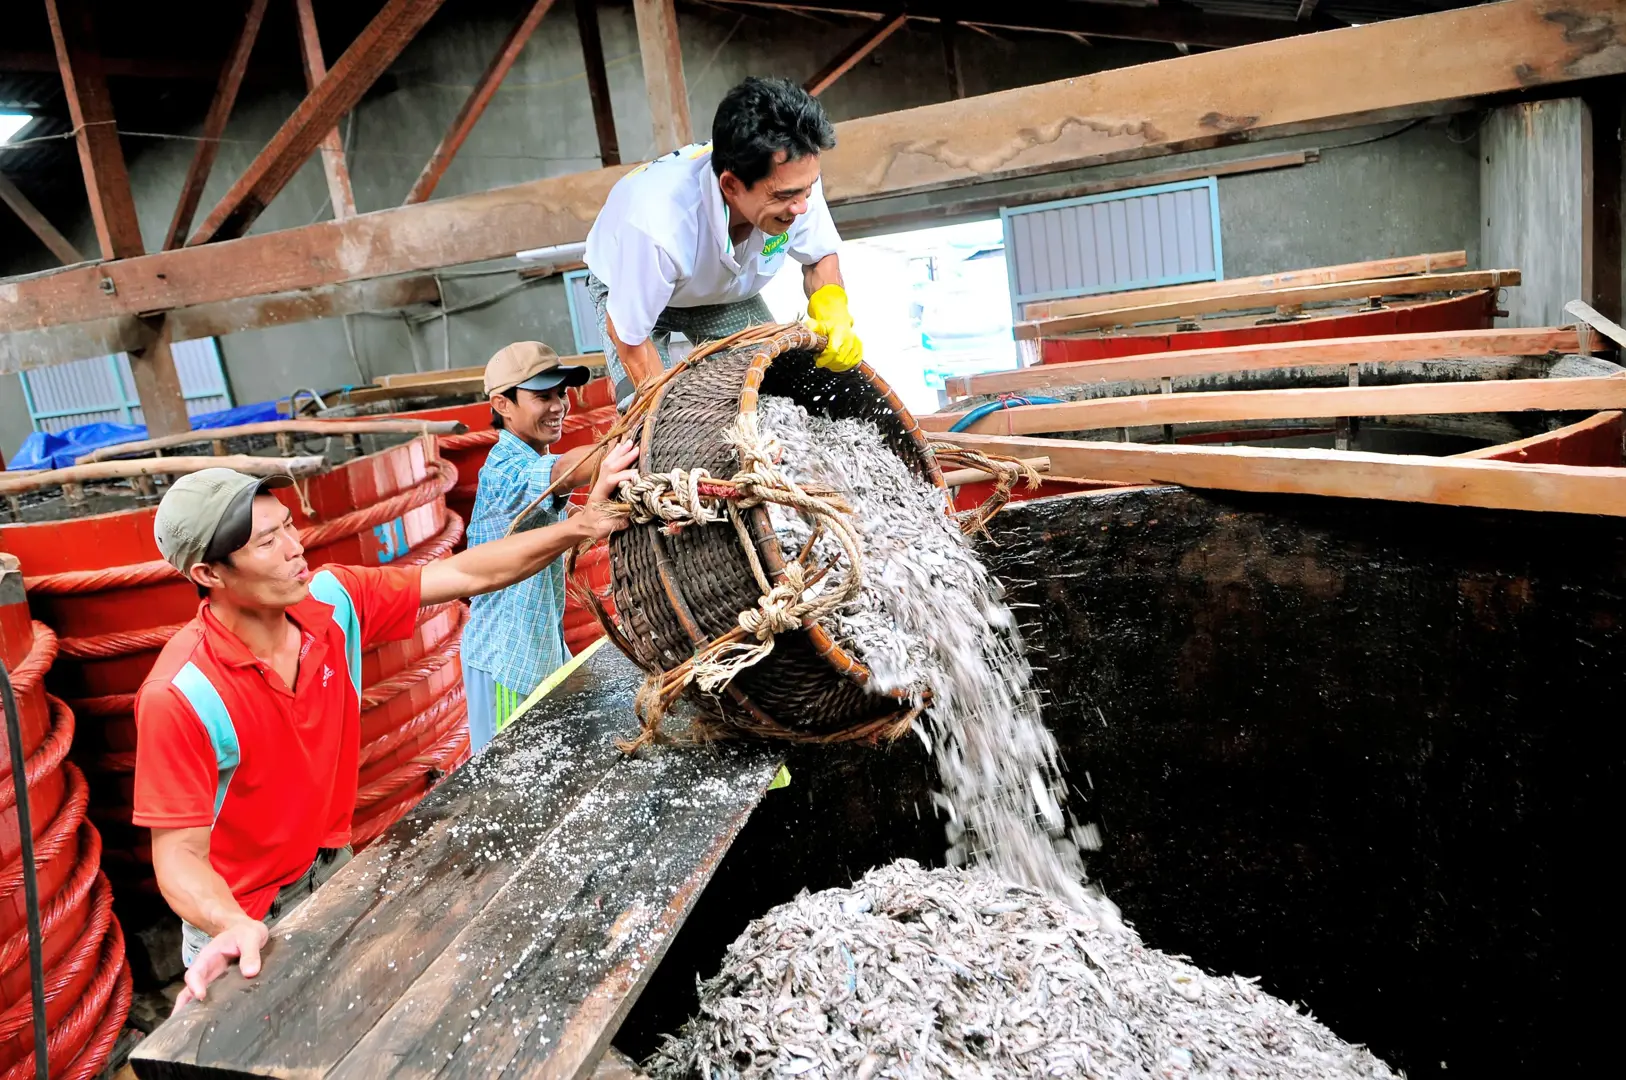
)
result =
(930, 620)
(955, 973)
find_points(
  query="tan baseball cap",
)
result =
(207, 515)
(530, 365)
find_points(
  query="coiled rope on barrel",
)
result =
(410, 676)
(50, 753)
(26, 676)
(68, 824)
(157, 571)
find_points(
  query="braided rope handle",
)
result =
(1006, 471)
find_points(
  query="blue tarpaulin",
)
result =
(58, 449)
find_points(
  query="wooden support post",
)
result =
(214, 125)
(951, 60)
(37, 223)
(107, 181)
(848, 58)
(158, 384)
(474, 106)
(598, 81)
(662, 54)
(374, 49)
(1602, 253)
(334, 165)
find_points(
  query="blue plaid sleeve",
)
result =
(516, 634)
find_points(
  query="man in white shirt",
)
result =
(686, 243)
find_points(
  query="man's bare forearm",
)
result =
(498, 564)
(191, 886)
(641, 360)
(827, 271)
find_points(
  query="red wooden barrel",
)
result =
(1472, 311)
(87, 982)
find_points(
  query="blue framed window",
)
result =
(103, 389)
(583, 318)
(1168, 234)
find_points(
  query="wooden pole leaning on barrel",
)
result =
(276, 427)
(160, 466)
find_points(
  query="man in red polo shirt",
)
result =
(248, 729)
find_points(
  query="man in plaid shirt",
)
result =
(515, 636)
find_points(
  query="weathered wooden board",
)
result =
(1495, 485)
(505, 926)
(1224, 406)
(1319, 352)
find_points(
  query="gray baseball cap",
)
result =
(207, 515)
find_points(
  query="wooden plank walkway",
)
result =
(506, 926)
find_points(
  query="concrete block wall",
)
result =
(1413, 191)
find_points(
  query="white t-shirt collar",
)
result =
(717, 220)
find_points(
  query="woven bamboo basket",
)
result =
(676, 593)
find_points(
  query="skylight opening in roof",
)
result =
(11, 123)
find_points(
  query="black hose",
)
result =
(31, 885)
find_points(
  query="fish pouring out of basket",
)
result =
(794, 570)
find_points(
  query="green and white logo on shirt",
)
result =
(775, 243)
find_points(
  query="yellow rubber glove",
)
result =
(827, 315)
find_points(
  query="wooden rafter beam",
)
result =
(1401, 68)
(1325, 352)
(1496, 485)
(1168, 22)
(374, 49)
(107, 181)
(867, 220)
(1246, 406)
(334, 166)
(24, 350)
(474, 106)
(598, 82)
(38, 224)
(1429, 263)
(848, 58)
(214, 125)
(1412, 285)
(662, 54)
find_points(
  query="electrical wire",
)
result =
(31, 885)
(995, 406)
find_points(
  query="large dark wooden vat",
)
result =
(1363, 750)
